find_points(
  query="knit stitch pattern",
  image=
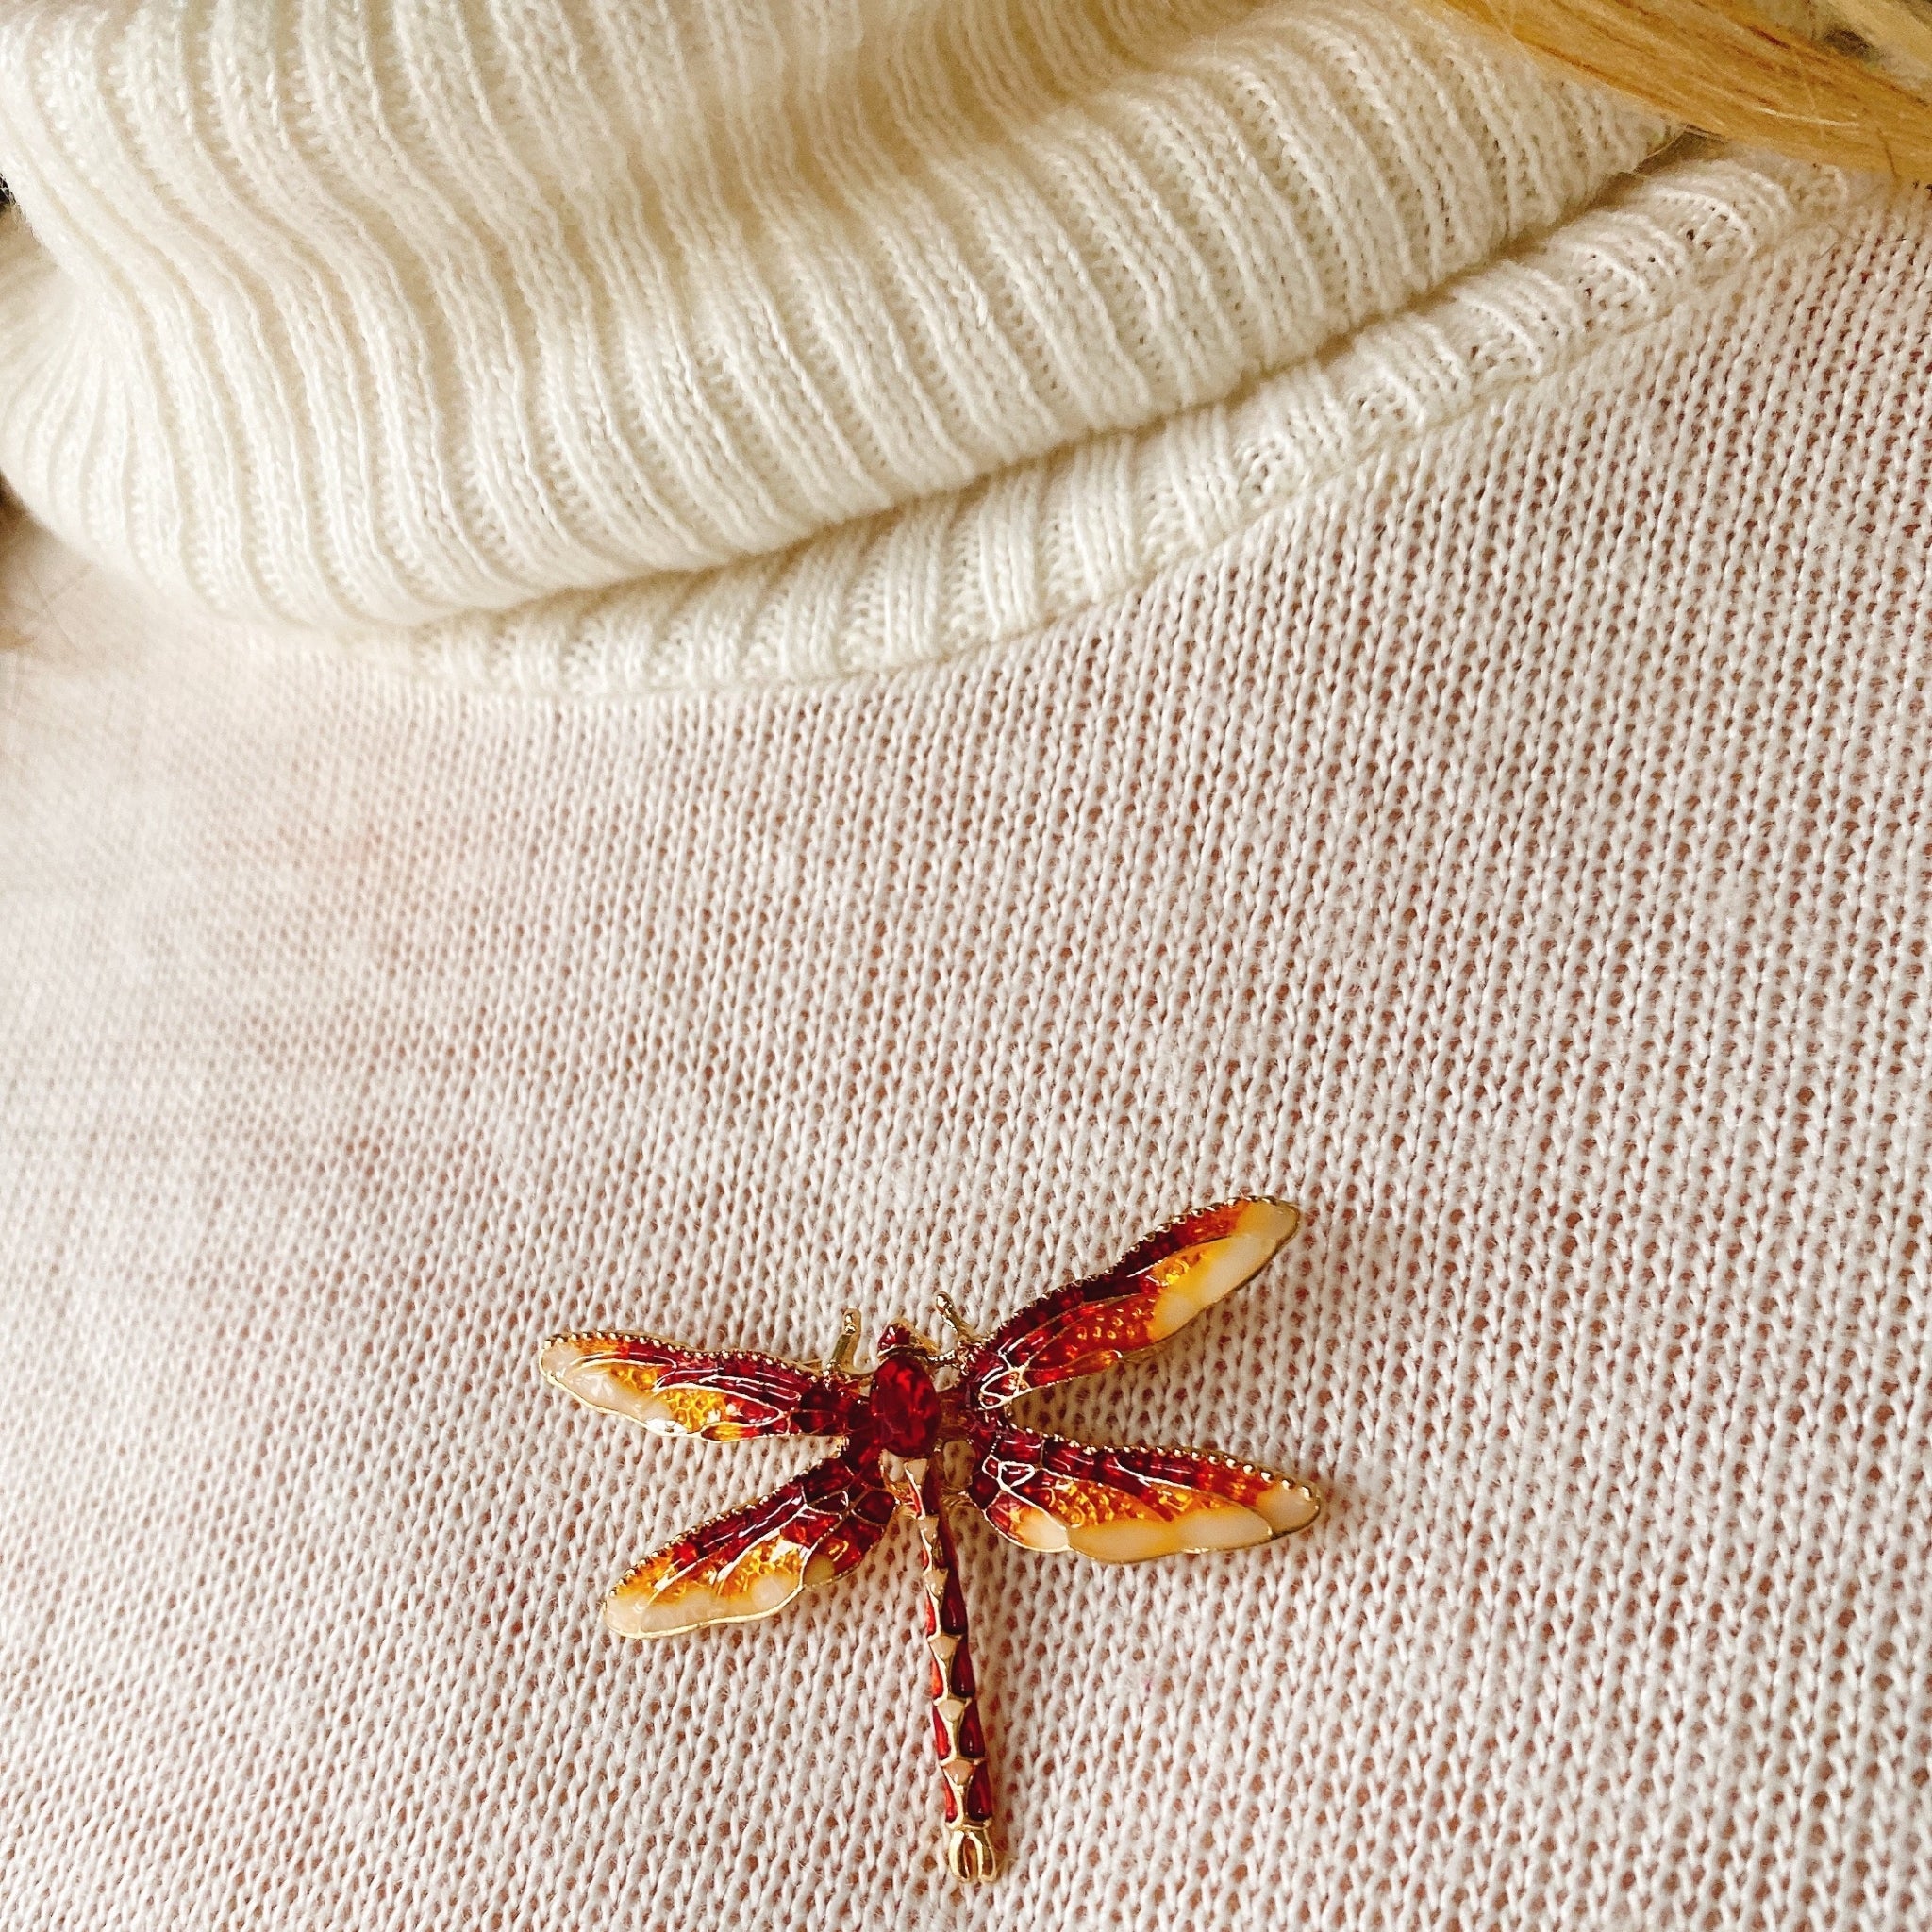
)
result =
(1040, 540)
(337, 313)
(1515, 849)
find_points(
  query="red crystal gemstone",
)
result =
(902, 1407)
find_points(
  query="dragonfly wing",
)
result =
(688, 1392)
(1124, 1506)
(1163, 1282)
(757, 1558)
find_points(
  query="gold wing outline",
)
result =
(721, 1395)
(755, 1560)
(1127, 1506)
(1161, 1284)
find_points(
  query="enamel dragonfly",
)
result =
(895, 1422)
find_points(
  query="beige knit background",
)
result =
(1515, 849)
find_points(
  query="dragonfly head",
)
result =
(900, 1339)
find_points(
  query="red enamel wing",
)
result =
(1119, 1505)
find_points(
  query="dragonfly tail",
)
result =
(958, 1736)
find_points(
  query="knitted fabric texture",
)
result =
(324, 315)
(993, 564)
(1515, 848)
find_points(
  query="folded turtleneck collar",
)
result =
(336, 316)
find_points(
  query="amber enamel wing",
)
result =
(895, 1422)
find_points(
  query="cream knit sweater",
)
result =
(511, 816)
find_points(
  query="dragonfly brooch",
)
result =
(1045, 1492)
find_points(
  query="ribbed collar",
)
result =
(610, 316)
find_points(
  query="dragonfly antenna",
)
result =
(964, 1334)
(847, 1345)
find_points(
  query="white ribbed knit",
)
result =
(333, 317)
(1455, 755)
